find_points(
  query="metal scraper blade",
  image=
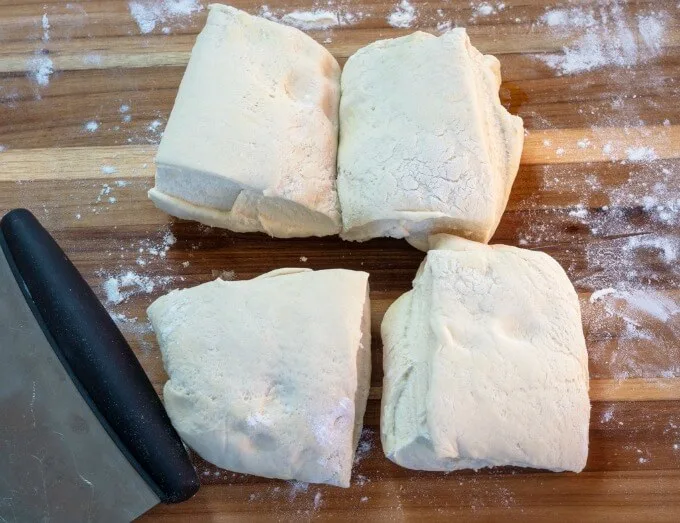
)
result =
(57, 463)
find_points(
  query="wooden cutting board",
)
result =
(86, 89)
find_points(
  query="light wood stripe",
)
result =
(86, 162)
(602, 144)
(77, 163)
(632, 389)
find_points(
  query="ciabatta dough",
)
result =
(270, 376)
(485, 363)
(251, 142)
(425, 144)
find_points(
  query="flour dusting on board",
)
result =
(91, 126)
(632, 253)
(621, 232)
(120, 287)
(320, 17)
(365, 445)
(45, 22)
(150, 13)
(609, 37)
(40, 68)
(487, 9)
(403, 16)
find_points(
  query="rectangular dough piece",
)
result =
(251, 142)
(425, 144)
(485, 363)
(270, 376)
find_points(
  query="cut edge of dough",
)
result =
(364, 368)
(257, 214)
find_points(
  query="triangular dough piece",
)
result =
(270, 376)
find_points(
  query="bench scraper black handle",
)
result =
(97, 357)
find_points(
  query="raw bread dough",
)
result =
(270, 376)
(485, 363)
(251, 142)
(425, 145)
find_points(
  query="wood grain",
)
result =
(580, 196)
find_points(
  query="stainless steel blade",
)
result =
(57, 463)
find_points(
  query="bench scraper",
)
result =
(83, 435)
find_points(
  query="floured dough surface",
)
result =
(270, 376)
(425, 145)
(485, 363)
(251, 141)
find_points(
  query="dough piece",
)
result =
(270, 376)
(425, 145)
(251, 142)
(485, 363)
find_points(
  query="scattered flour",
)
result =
(159, 249)
(641, 154)
(607, 415)
(303, 259)
(297, 487)
(652, 30)
(150, 13)
(610, 37)
(318, 18)
(155, 125)
(403, 16)
(365, 445)
(45, 22)
(572, 18)
(317, 501)
(91, 126)
(623, 250)
(601, 293)
(105, 191)
(579, 211)
(109, 169)
(309, 20)
(487, 9)
(40, 68)
(361, 480)
(120, 287)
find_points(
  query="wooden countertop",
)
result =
(86, 90)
